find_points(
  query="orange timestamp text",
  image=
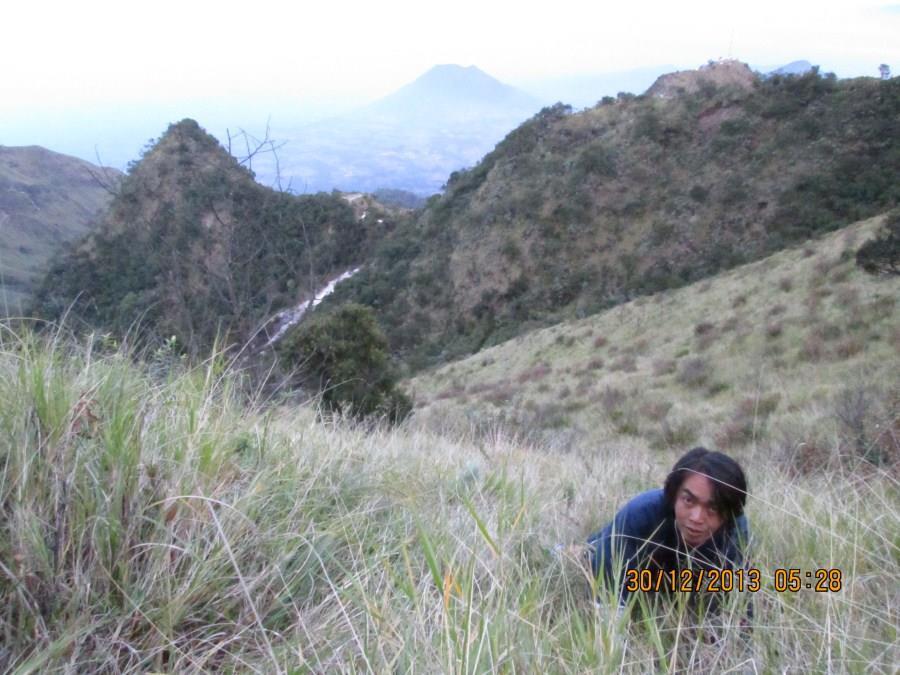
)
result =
(823, 580)
(693, 580)
(784, 580)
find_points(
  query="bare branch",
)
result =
(254, 146)
(110, 184)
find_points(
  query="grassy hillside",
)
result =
(575, 213)
(46, 200)
(157, 520)
(787, 354)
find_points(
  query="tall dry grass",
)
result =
(155, 520)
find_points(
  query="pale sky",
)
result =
(87, 51)
(80, 56)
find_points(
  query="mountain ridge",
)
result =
(46, 200)
(575, 212)
(568, 215)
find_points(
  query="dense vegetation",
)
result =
(881, 255)
(574, 213)
(344, 356)
(193, 248)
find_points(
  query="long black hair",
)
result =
(729, 484)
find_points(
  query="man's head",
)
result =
(706, 490)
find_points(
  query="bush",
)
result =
(538, 372)
(705, 332)
(694, 372)
(678, 434)
(610, 399)
(881, 255)
(663, 367)
(703, 328)
(343, 356)
(624, 363)
(596, 159)
(813, 348)
(748, 421)
(594, 364)
(698, 193)
(848, 347)
(866, 424)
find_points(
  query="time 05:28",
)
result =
(822, 580)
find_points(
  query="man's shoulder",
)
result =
(651, 499)
(649, 506)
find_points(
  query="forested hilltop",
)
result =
(573, 213)
(193, 247)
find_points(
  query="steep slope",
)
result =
(46, 200)
(192, 247)
(799, 351)
(573, 213)
(411, 140)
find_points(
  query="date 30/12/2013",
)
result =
(784, 580)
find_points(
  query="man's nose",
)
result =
(697, 513)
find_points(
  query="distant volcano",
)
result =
(793, 68)
(412, 139)
(454, 92)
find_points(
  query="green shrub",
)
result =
(597, 159)
(881, 255)
(343, 356)
(694, 372)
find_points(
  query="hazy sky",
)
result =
(79, 57)
(87, 51)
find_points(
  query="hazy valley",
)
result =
(448, 118)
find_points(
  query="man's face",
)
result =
(695, 515)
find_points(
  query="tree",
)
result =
(343, 355)
(881, 255)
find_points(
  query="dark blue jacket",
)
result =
(643, 535)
